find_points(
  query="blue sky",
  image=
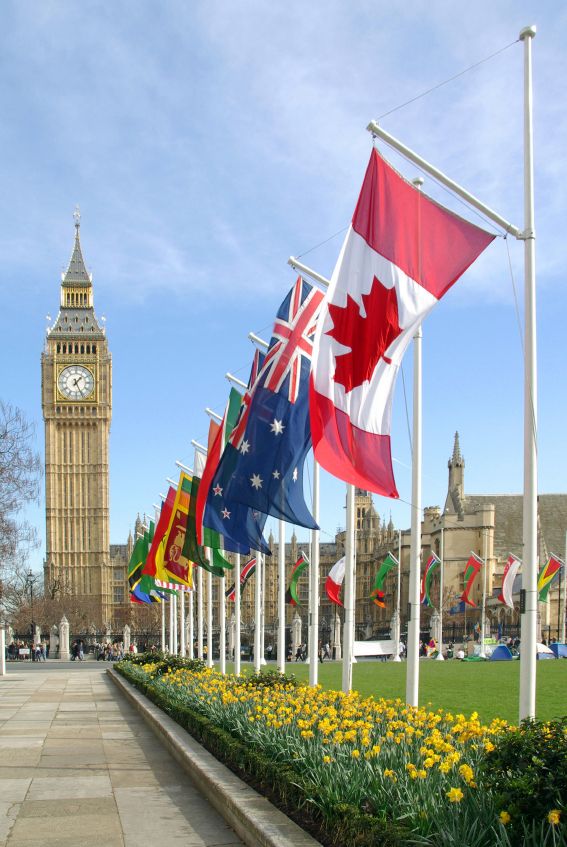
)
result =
(205, 142)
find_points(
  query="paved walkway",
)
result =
(79, 768)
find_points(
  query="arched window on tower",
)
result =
(82, 349)
(58, 348)
(64, 348)
(94, 348)
(76, 348)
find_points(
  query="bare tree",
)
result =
(20, 474)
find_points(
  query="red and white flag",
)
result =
(401, 254)
(513, 565)
(334, 582)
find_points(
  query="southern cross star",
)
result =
(276, 474)
(244, 447)
(294, 475)
(277, 427)
(225, 514)
(256, 481)
(217, 491)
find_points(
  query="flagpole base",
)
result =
(396, 659)
(263, 662)
(439, 657)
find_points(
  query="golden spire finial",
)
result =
(77, 216)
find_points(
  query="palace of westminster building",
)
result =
(76, 369)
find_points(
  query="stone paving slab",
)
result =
(80, 768)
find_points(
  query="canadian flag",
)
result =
(401, 254)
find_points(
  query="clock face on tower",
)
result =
(76, 382)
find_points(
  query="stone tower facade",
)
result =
(76, 370)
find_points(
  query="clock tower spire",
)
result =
(77, 409)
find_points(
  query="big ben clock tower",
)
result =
(76, 371)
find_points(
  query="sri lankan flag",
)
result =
(377, 593)
(547, 575)
(173, 570)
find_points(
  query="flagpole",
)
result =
(482, 652)
(200, 613)
(222, 625)
(263, 615)
(172, 613)
(209, 616)
(163, 626)
(440, 656)
(398, 628)
(281, 597)
(237, 615)
(561, 636)
(350, 595)
(529, 618)
(314, 584)
(175, 633)
(412, 671)
(191, 632)
(183, 644)
(257, 604)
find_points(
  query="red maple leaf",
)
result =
(368, 337)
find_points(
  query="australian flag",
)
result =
(269, 444)
(241, 526)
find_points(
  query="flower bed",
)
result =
(352, 771)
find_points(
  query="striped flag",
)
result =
(432, 563)
(377, 593)
(547, 575)
(247, 571)
(473, 567)
(513, 565)
(291, 596)
(334, 582)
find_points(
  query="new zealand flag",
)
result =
(268, 446)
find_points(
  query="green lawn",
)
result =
(489, 688)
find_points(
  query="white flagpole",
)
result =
(257, 610)
(209, 616)
(529, 618)
(222, 625)
(170, 640)
(175, 640)
(263, 616)
(191, 631)
(412, 671)
(183, 644)
(561, 634)
(398, 628)
(163, 642)
(200, 613)
(350, 594)
(281, 597)
(482, 652)
(314, 585)
(237, 614)
(440, 656)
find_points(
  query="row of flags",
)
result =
(326, 380)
